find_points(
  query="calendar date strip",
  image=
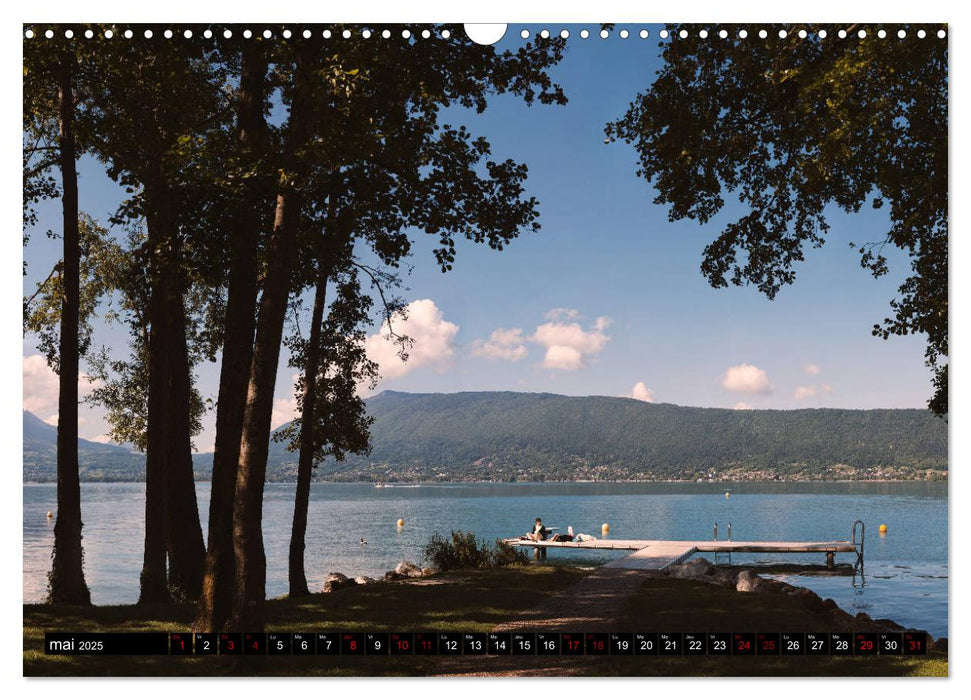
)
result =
(487, 643)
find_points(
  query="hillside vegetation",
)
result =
(514, 436)
(506, 436)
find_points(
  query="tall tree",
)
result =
(250, 557)
(327, 124)
(66, 578)
(406, 177)
(792, 124)
(118, 273)
(249, 208)
(152, 103)
(333, 420)
(184, 544)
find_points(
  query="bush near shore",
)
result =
(463, 551)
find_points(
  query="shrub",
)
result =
(463, 551)
(505, 554)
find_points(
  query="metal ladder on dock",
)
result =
(859, 552)
(714, 538)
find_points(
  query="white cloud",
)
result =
(742, 406)
(204, 442)
(502, 345)
(642, 393)
(433, 341)
(42, 387)
(812, 369)
(568, 346)
(563, 357)
(747, 379)
(805, 392)
(101, 438)
(285, 408)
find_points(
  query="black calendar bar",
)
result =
(755, 644)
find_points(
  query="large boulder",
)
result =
(694, 569)
(720, 577)
(363, 580)
(810, 598)
(408, 570)
(747, 581)
(335, 581)
(889, 624)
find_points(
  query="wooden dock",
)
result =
(657, 555)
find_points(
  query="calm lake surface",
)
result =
(906, 571)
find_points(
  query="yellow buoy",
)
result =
(728, 494)
(605, 528)
(50, 514)
(883, 529)
(401, 522)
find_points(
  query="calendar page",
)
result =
(457, 350)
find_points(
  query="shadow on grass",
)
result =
(481, 601)
(472, 601)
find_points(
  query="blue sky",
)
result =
(608, 295)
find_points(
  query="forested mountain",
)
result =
(515, 436)
(509, 436)
(97, 461)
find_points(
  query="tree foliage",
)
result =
(790, 126)
(40, 131)
(99, 253)
(341, 422)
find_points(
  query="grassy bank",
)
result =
(473, 601)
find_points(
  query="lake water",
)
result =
(905, 571)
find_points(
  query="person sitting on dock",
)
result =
(538, 535)
(539, 531)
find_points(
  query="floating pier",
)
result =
(657, 555)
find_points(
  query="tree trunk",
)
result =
(66, 578)
(250, 584)
(185, 547)
(161, 239)
(215, 602)
(308, 416)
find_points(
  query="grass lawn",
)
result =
(473, 601)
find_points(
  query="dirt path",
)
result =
(592, 604)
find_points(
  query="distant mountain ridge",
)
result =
(509, 436)
(98, 461)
